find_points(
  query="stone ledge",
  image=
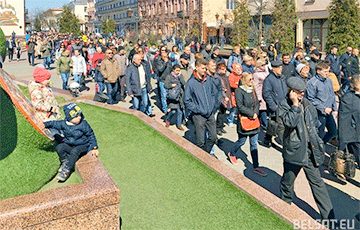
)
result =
(76, 204)
(290, 213)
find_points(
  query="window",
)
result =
(230, 4)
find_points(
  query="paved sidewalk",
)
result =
(345, 195)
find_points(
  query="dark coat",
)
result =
(200, 96)
(226, 91)
(80, 134)
(312, 65)
(353, 65)
(163, 68)
(298, 120)
(247, 105)
(274, 91)
(349, 118)
(247, 68)
(170, 79)
(334, 63)
(344, 63)
(288, 70)
(133, 79)
(219, 90)
(217, 59)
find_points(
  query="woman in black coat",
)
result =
(175, 81)
(349, 119)
(248, 105)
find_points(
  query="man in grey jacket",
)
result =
(320, 92)
(122, 60)
(302, 148)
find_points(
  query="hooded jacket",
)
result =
(74, 134)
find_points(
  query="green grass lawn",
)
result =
(164, 187)
(27, 168)
(25, 165)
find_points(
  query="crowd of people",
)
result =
(295, 97)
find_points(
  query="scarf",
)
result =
(248, 90)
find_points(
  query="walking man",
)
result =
(320, 92)
(138, 84)
(303, 148)
(109, 68)
(200, 99)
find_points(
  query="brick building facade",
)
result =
(170, 17)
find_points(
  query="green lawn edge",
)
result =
(164, 187)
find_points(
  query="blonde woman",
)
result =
(248, 106)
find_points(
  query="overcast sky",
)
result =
(44, 4)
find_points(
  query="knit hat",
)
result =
(299, 67)
(71, 111)
(296, 83)
(41, 74)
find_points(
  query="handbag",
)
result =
(248, 124)
(342, 162)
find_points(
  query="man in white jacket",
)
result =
(79, 66)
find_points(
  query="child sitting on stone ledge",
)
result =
(78, 140)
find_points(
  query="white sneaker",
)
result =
(231, 125)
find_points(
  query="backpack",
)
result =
(174, 93)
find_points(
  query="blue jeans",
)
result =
(179, 115)
(231, 116)
(31, 58)
(47, 62)
(253, 147)
(111, 89)
(163, 94)
(263, 118)
(77, 77)
(101, 86)
(141, 102)
(65, 79)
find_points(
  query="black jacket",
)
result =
(353, 65)
(200, 96)
(334, 63)
(344, 62)
(349, 118)
(301, 131)
(133, 79)
(217, 59)
(312, 65)
(274, 91)
(247, 106)
(163, 69)
(288, 70)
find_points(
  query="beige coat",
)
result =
(110, 70)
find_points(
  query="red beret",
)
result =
(41, 74)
